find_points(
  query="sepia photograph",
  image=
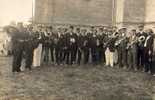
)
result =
(77, 50)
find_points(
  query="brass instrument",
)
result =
(141, 39)
(118, 42)
(109, 39)
(85, 43)
(130, 44)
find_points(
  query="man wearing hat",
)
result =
(72, 40)
(110, 49)
(16, 48)
(51, 40)
(121, 47)
(100, 36)
(20, 38)
(80, 41)
(115, 34)
(141, 40)
(85, 46)
(58, 45)
(94, 42)
(148, 51)
(132, 50)
(29, 48)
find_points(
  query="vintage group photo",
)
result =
(77, 50)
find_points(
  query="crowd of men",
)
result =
(106, 46)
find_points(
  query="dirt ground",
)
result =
(74, 83)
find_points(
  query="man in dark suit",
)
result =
(142, 36)
(72, 46)
(57, 46)
(100, 48)
(92, 36)
(85, 46)
(17, 48)
(51, 42)
(148, 51)
(93, 46)
(79, 44)
(64, 45)
(20, 38)
(29, 47)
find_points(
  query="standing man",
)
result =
(51, 44)
(80, 45)
(65, 43)
(72, 45)
(110, 49)
(121, 44)
(46, 45)
(142, 36)
(94, 42)
(29, 48)
(57, 46)
(114, 32)
(85, 46)
(17, 48)
(26, 39)
(132, 50)
(148, 51)
(20, 39)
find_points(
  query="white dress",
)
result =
(37, 56)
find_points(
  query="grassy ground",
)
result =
(74, 83)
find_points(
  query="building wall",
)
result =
(130, 12)
(84, 12)
(119, 12)
(150, 13)
(134, 11)
(43, 11)
(95, 12)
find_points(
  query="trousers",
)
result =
(109, 57)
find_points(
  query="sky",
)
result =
(14, 10)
